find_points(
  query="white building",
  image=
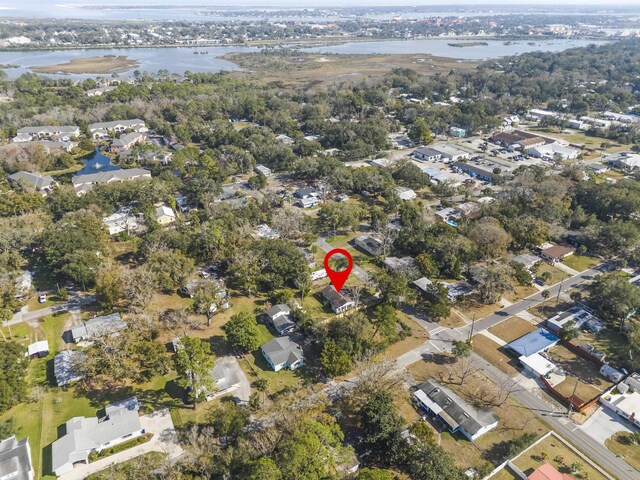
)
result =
(15, 459)
(121, 222)
(405, 193)
(60, 132)
(551, 151)
(83, 183)
(165, 215)
(102, 129)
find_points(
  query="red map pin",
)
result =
(338, 278)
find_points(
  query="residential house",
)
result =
(338, 301)
(625, 402)
(38, 350)
(405, 193)
(281, 353)
(457, 132)
(306, 192)
(127, 141)
(475, 171)
(548, 472)
(122, 221)
(627, 162)
(59, 132)
(308, 202)
(280, 317)
(262, 170)
(286, 139)
(555, 253)
(98, 92)
(381, 163)
(225, 376)
(67, 367)
(534, 342)
(41, 183)
(468, 210)
(553, 151)
(85, 435)
(528, 260)
(457, 290)
(369, 244)
(165, 215)
(97, 327)
(102, 129)
(423, 284)
(448, 215)
(397, 264)
(453, 412)
(23, 284)
(15, 459)
(581, 319)
(83, 183)
(265, 231)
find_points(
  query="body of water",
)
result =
(180, 59)
(96, 163)
(441, 47)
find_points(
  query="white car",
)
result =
(42, 298)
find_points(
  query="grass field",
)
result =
(151, 461)
(494, 354)
(557, 275)
(520, 292)
(418, 337)
(512, 328)
(580, 263)
(620, 445)
(555, 451)
(513, 418)
(610, 341)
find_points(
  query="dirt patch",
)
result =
(511, 329)
(106, 64)
(494, 354)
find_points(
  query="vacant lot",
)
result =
(555, 274)
(511, 329)
(559, 455)
(494, 354)
(620, 444)
(514, 418)
(589, 381)
(610, 341)
(106, 64)
(580, 263)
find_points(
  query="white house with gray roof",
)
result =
(453, 412)
(282, 352)
(15, 459)
(41, 183)
(102, 129)
(83, 183)
(46, 132)
(97, 327)
(280, 318)
(67, 367)
(85, 435)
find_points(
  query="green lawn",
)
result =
(580, 263)
(33, 304)
(342, 240)
(149, 461)
(15, 333)
(557, 275)
(620, 444)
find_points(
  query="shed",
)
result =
(38, 349)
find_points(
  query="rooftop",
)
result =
(282, 350)
(533, 342)
(15, 459)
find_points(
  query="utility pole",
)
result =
(575, 387)
(473, 322)
(559, 290)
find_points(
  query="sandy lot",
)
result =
(106, 64)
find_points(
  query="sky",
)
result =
(309, 3)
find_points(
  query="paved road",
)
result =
(26, 316)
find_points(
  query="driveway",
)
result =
(164, 440)
(604, 423)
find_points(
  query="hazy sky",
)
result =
(310, 3)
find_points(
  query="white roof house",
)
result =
(88, 434)
(67, 367)
(41, 183)
(59, 132)
(625, 161)
(102, 129)
(98, 326)
(165, 215)
(405, 193)
(15, 459)
(83, 183)
(38, 350)
(266, 171)
(121, 222)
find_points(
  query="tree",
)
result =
(520, 273)
(258, 181)
(493, 280)
(426, 265)
(205, 298)
(194, 363)
(334, 216)
(384, 320)
(229, 420)
(426, 462)
(264, 469)
(569, 331)
(490, 238)
(613, 298)
(172, 268)
(109, 284)
(461, 349)
(375, 474)
(435, 301)
(423, 432)
(545, 294)
(382, 427)
(242, 332)
(420, 133)
(334, 360)
(13, 371)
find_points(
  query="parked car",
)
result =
(42, 298)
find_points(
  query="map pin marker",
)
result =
(338, 278)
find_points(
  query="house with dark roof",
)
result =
(338, 302)
(280, 317)
(67, 367)
(556, 253)
(98, 326)
(475, 171)
(369, 244)
(282, 352)
(41, 183)
(453, 412)
(15, 459)
(91, 434)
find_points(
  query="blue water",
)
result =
(96, 163)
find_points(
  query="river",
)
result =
(180, 59)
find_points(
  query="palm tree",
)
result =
(545, 294)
